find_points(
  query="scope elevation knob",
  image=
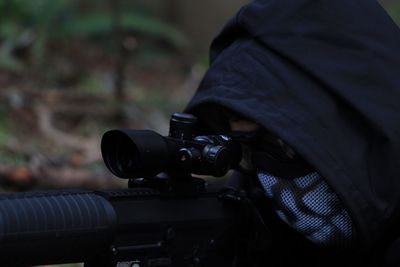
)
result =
(182, 126)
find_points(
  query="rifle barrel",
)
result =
(54, 227)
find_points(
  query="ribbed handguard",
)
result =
(54, 227)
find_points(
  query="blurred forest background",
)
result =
(70, 70)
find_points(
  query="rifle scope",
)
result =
(145, 153)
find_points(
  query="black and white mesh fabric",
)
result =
(311, 207)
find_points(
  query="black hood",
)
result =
(325, 77)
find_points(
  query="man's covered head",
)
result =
(322, 76)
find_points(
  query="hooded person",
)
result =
(322, 81)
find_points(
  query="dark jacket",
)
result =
(324, 76)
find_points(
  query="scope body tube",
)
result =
(103, 228)
(145, 153)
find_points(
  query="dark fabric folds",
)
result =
(324, 76)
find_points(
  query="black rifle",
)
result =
(165, 217)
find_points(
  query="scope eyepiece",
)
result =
(134, 154)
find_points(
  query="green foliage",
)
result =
(12, 159)
(154, 27)
(29, 23)
(39, 16)
(101, 24)
(40, 22)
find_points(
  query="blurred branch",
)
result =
(87, 146)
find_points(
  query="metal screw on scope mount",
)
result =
(170, 234)
(188, 156)
(196, 262)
